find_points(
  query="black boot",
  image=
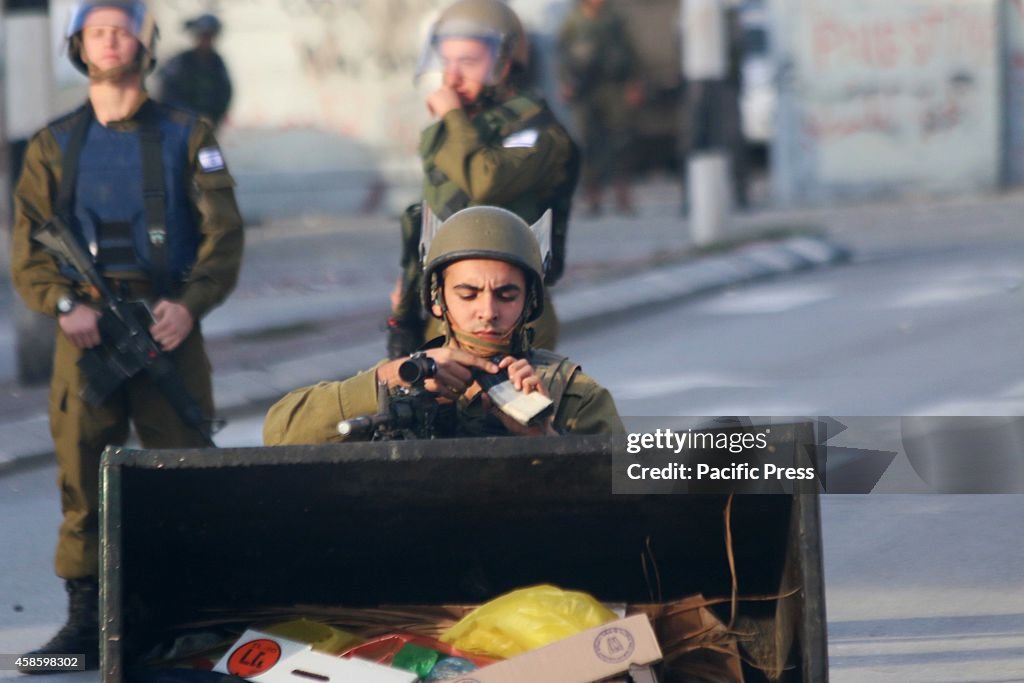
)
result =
(81, 634)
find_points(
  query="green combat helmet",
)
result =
(489, 21)
(141, 24)
(486, 232)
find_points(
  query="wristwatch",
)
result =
(65, 304)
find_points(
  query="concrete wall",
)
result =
(325, 111)
(882, 97)
(324, 106)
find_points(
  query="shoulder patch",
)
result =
(521, 139)
(210, 159)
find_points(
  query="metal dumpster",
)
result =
(186, 532)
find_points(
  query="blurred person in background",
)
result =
(177, 248)
(494, 142)
(598, 71)
(197, 79)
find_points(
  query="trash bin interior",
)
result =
(196, 534)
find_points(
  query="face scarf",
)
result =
(484, 348)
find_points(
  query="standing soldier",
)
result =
(598, 71)
(493, 143)
(145, 189)
(198, 79)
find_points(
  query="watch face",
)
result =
(65, 304)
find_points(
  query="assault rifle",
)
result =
(410, 412)
(404, 413)
(127, 347)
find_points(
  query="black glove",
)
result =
(404, 336)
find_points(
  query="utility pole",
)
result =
(705, 66)
(28, 105)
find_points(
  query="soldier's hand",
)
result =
(522, 375)
(524, 378)
(452, 378)
(455, 373)
(81, 326)
(442, 101)
(173, 324)
(634, 95)
(395, 295)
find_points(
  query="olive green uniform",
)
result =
(310, 415)
(513, 154)
(597, 59)
(80, 431)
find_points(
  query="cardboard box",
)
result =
(589, 656)
(264, 658)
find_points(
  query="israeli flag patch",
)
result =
(522, 139)
(210, 159)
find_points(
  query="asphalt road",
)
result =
(918, 587)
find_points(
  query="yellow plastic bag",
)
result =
(526, 619)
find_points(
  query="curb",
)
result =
(27, 441)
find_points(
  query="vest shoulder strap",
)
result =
(558, 371)
(79, 122)
(154, 197)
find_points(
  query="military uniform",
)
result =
(310, 415)
(198, 82)
(513, 154)
(597, 60)
(204, 238)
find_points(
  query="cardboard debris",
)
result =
(263, 658)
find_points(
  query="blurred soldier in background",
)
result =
(493, 143)
(598, 73)
(738, 148)
(483, 282)
(145, 187)
(198, 79)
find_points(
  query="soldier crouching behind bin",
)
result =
(127, 231)
(483, 280)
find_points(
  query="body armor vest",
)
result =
(109, 215)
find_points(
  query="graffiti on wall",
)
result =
(338, 65)
(898, 76)
(891, 90)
